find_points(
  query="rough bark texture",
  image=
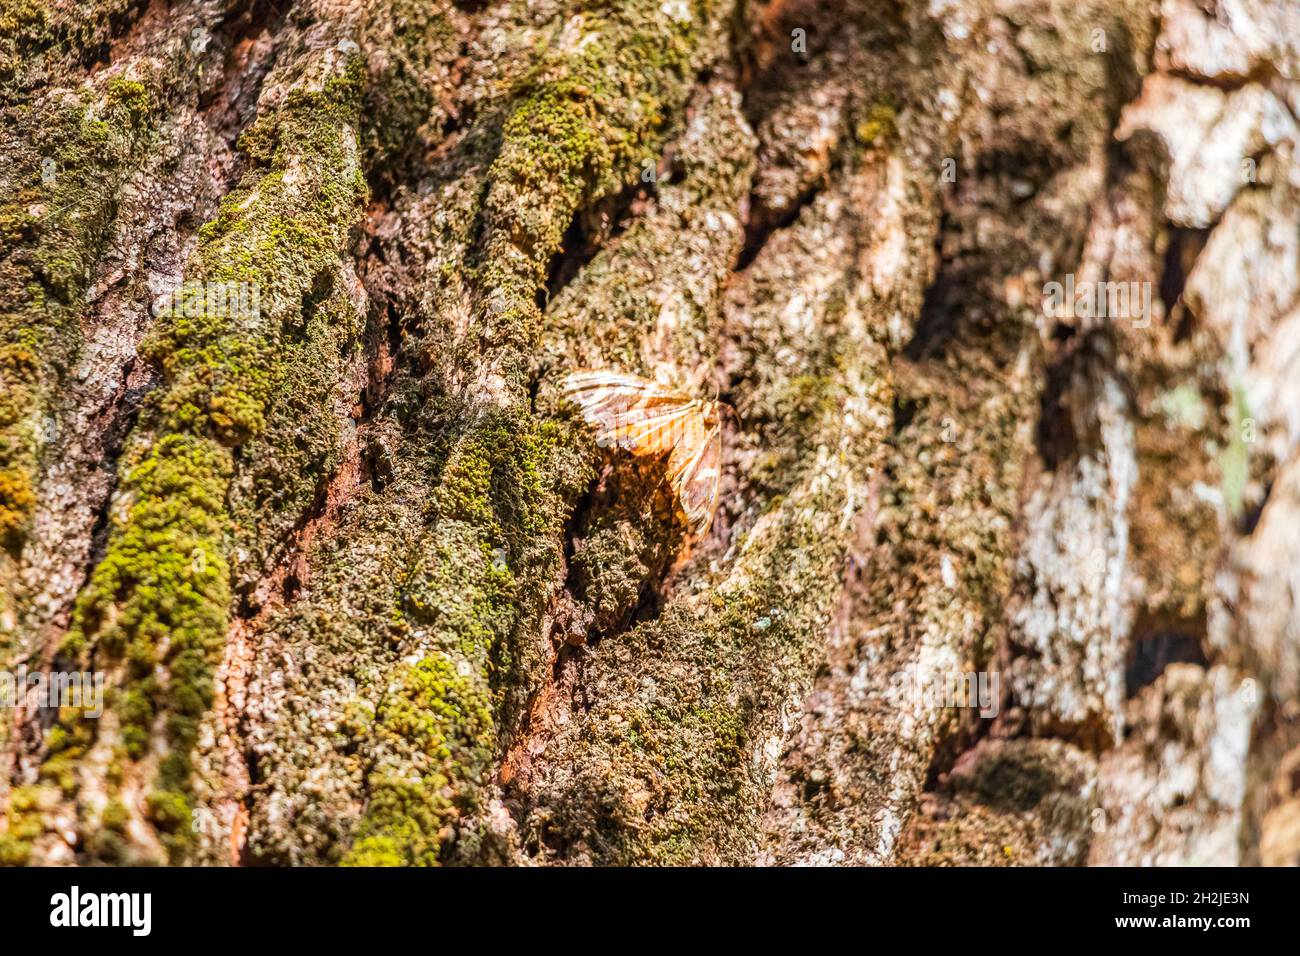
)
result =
(364, 588)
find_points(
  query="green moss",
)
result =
(159, 596)
(170, 813)
(129, 95)
(114, 816)
(23, 825)
(21, 18)
(796, 410)
(494, 479)
(450, 564)
(878, 127)
(33, 32)
(57, 739)
(16, 503)
(14, 851)
(446, 717)
(581, 132)
(66, 160)
(66, 743)
(159, 599)
(421, 604)
(677, 714)
(283, 471)
(168, 810)
(403, 109)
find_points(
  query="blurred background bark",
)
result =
(998, 576)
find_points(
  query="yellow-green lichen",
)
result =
(1234, 461)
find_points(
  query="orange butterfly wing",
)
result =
(635, 414)
(697, 482)
(644, 418)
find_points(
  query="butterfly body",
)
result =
(645, 418)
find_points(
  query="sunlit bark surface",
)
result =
(1003, 297)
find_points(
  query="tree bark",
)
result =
(997, 575)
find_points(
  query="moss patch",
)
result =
(158, 602)
(66, 159)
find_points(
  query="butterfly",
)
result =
(645, 418)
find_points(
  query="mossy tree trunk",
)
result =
(287, 293)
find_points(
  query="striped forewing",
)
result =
(645, 418)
